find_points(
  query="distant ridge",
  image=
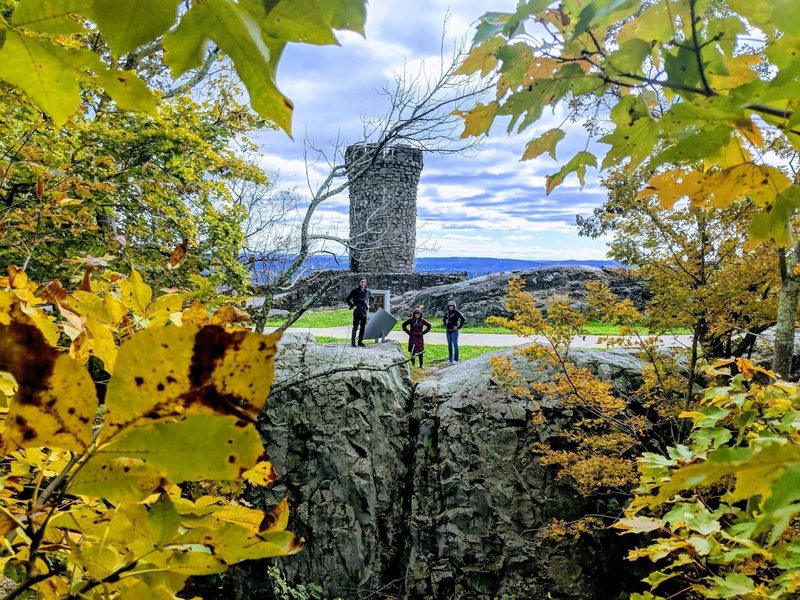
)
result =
(474, 266)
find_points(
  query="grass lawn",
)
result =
(595, 327)
(435, 354)
(343, 317)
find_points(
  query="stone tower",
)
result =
(383, 209)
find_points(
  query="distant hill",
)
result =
(474, 266)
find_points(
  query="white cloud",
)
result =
(488, 203)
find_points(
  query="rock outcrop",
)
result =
(480, 496)
(338, 436)
(426, 490)
(482, 297)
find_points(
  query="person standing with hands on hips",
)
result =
(453, 321)
(359, 301)
(416, 327)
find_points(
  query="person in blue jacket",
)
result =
(453, 321)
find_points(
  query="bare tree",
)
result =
(420, 114)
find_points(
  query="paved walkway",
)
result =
(486, 339)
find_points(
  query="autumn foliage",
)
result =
(596, 452)
(98, 439)
(721, 510)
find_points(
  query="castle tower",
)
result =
(383, 208)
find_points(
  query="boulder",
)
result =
(337, 433)
(484, 296)
(422, 490)
(480, 496)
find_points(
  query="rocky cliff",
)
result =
(421, 490)
(484, 296)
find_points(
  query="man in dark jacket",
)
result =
(359, 300)
(453, 321)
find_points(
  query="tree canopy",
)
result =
(38, 53)
(126, 410)
(699, 92)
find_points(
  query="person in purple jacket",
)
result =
(416, 327)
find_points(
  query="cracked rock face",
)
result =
(339, 442)
(480, 496)
(426, 490)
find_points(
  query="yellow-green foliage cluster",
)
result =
(596, 453)
(721, 510)
(112, 398)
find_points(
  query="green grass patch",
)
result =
(435, 354)
(344, 318)
(595, 327)
(319, 318)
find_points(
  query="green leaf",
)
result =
(119, 479)
(128, 90)
(784, 501)
(163, 521)
(51, 16)
(490, 25)
(185, 46)
(682, 69)
(635, 136)
(577, 164)
(128, 24)
(195, 561)
(233, 543)
(515, 61)
(732, 586)
(544, 143)
(753, 469)
(628, 59)
(775, 221)
(653, 25)
(201, 447)
(602, 13)
(694, 144)
(310, 21)
(50, 75)
(237, 33)
(43, 71)
(347, 14)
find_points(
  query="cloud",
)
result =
(486, 203)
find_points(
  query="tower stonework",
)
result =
(383, 209)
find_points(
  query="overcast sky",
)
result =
(487, 204)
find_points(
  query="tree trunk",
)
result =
(787, 316)
(784, 329)
(699, 328)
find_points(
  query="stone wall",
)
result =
(383, 209)
(333, 286)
